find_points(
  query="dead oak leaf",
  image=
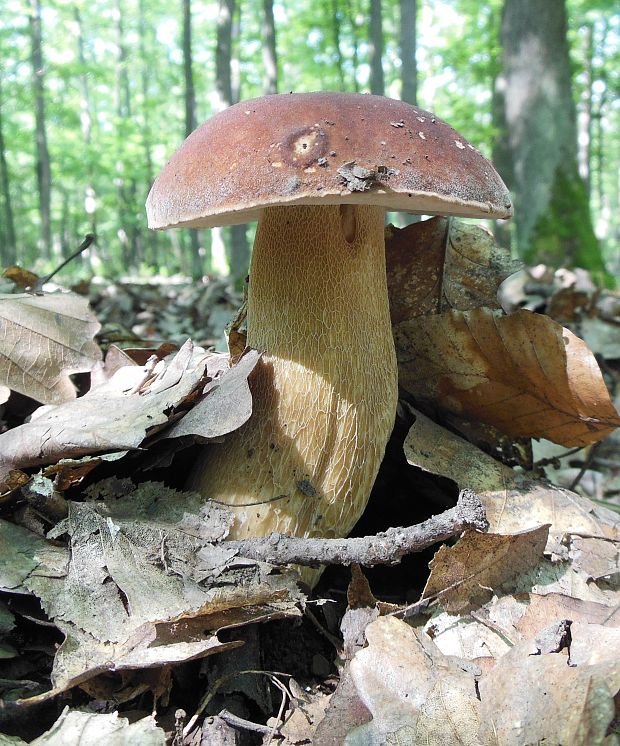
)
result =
(550, 697)
(136, 589)
(524, 374)
(513, 502)
(44, 339)
(465, 575)
(414, 692)
(135, 402)
(443, 263)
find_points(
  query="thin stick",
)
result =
(88, 240)
(241, 724)
(386, 548)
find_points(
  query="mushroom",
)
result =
(318, 171)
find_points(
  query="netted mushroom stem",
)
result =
(325, 391)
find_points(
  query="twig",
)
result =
(216, 685)
(240, 723)
(386, 548)
(88, 240)
(585, 466)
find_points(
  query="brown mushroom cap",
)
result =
(323, 148)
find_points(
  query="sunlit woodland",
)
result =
(345, 475)
(95, 96)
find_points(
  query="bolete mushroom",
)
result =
(317, 171)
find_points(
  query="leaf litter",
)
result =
(138, 580)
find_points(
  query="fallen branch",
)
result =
(386, 548)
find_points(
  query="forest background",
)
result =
(95, 96)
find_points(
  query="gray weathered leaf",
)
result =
(44, 339)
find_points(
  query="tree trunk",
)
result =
(585, 128)
(86, 120)
(375, 49)
(270, 58)
(355, 42)
(552, 215)
(8, 242)
(408, 45)
(235, 62)
(44, 172)
(190, 121)
(337, 32)
(234, 240)
(129, 229)
(145, 79)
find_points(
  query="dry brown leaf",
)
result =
(551, 698)
(121, 412)
(513, 502)
(416, 694)
(43, 339)
(345, 713)
(440, 264)
(141, 585)
(524, 374)
(77, 728)
(20, 277)
(488, 633)
(465, 575)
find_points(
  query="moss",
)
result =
(563, 236)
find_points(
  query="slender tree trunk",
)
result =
(355, 43)
(337, 32)
(408, 46)
(86, 121)
(234, 241)
(270, 57)
(190, 120)
(375, 48)
(223, 54)
(553, 222)
(44, 172)
(128, 230)
(8, 242)
(235, 62)
(153, 240)
(585, 128)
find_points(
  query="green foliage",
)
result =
(104, 154)
(563, 235)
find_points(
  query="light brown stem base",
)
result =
(325, 390)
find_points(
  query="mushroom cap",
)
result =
(318, 149)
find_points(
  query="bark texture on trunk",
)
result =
(408, 45)
(552, 216)
(270, 56)
(44, 171)
(375, 48)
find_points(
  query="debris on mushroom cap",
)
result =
(323, 148)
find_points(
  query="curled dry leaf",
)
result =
(524, 374)
(441, 264)
(44, 339)
(553, 697)
(135, 402)
(513, 502)
(416, 694)
(76, 728)
(141, 584)
(465, 575)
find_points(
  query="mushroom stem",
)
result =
(325, 389)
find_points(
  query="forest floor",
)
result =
(270, 662)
